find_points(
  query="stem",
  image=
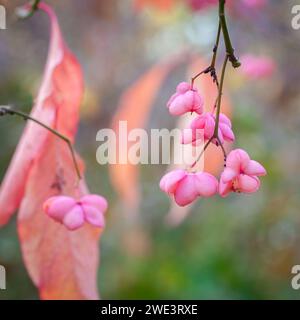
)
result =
(202, 152)
(211, 69)
(235, 63)
(35, 5)
(223, 149)
(215, 104)
(9, 111)
(216, 130)
(229, 49)
(215, 50)
(220, 98)
(208, 69)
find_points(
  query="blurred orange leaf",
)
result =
(135, 107)
(62, 264)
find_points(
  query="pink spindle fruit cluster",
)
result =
(240, 173)
(74, 213)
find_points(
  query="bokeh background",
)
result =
(242, 247)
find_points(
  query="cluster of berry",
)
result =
(240, 173)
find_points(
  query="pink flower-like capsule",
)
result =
(203, 126)
(73, 214)
(186, 99)
(241, 174)
(186, 187)
(257, 67)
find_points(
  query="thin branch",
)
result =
(229, 49)
(211, 68)
(35, 5)
(213, 72)
(206, 70)
(216, 130)
(220, 97)
(235, 63)
(9, 111)
(202, 152)
(215, 50)
(223, 149)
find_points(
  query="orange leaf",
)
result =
(134, 107)
(61, 88)
(62, 264)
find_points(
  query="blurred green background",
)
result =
(241, 247)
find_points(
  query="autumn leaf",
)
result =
(62, 264)
(54, 96)
(134, 107)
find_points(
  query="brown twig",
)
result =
(4, 110)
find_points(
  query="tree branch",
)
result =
(4, 110)
(229, 49)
